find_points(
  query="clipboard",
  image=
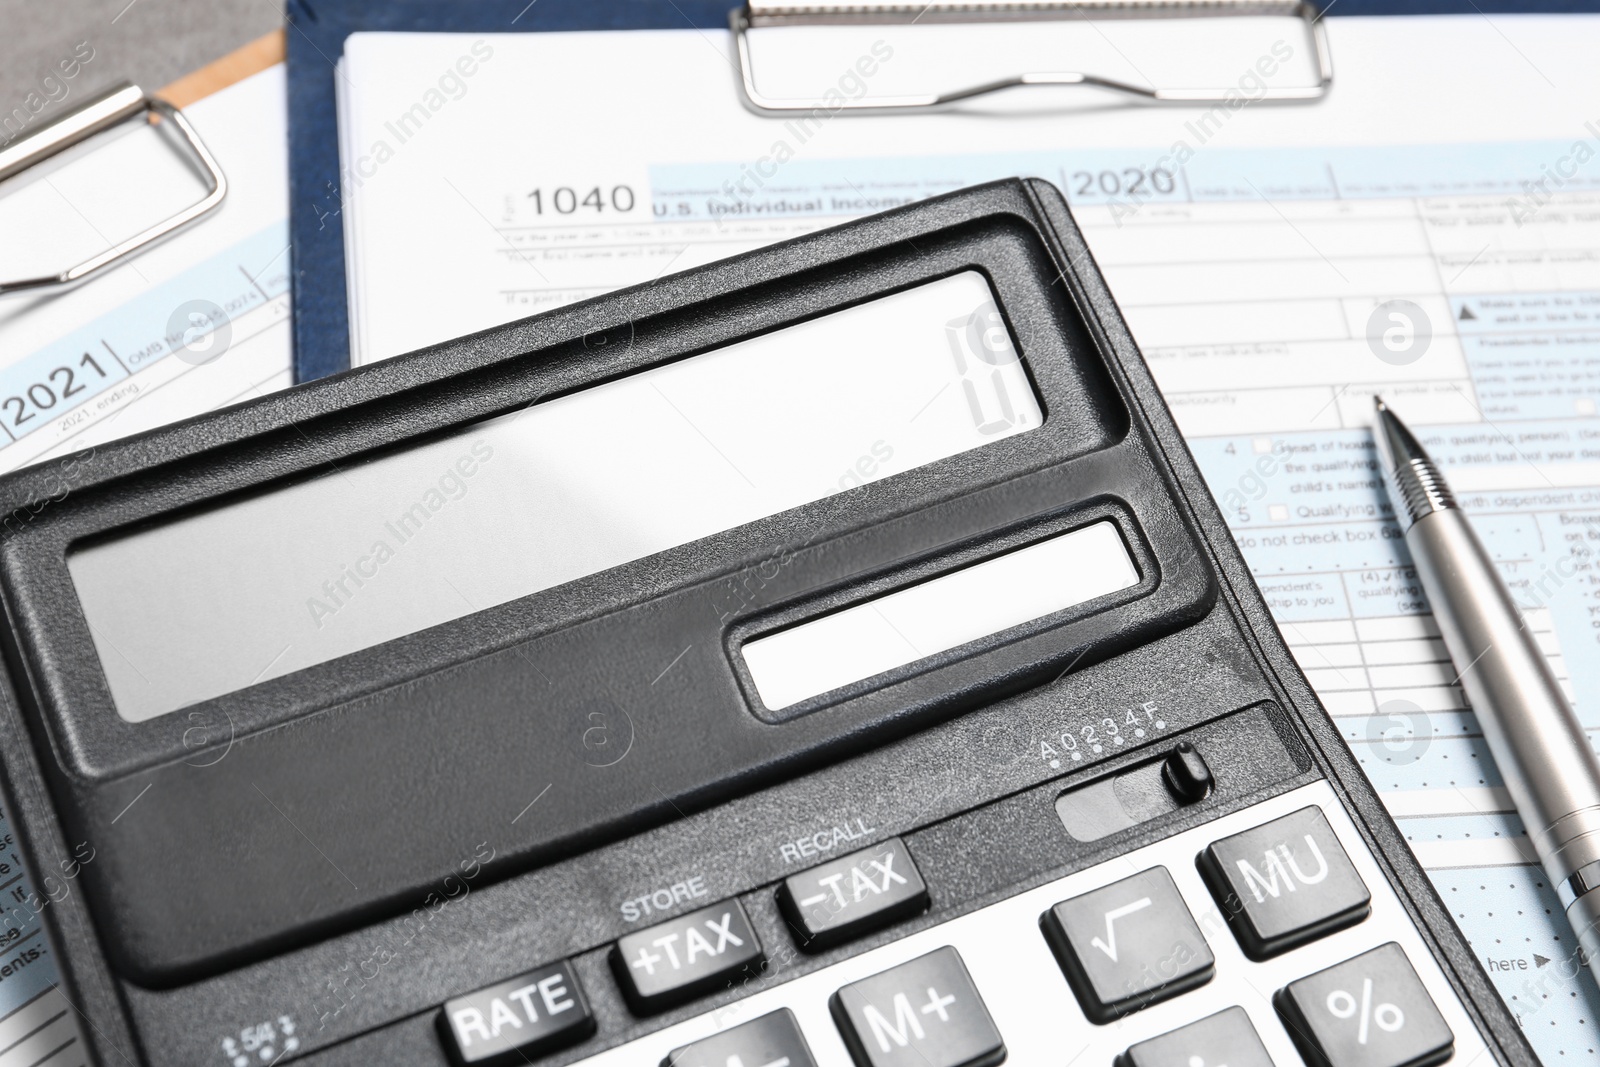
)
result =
(317, 33)
(317, 36)
(125, 102)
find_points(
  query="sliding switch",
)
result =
(1186, 774)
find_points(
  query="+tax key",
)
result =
(684, 957)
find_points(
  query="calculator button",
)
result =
(923, 1013)
(1128, 945)
(511, 1021)
(771, 1041)
(1225, 1039)
(842, 899)
(684, 957)
(1285, 883)
(1371, 1011)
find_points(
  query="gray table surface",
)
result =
(148, 42)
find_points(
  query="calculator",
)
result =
(827, 656)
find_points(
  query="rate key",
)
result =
(515, 1020)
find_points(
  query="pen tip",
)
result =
(1377, 403)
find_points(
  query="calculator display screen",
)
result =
(372, 551)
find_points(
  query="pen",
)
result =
(1536, 740)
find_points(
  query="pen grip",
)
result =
(1537, 742)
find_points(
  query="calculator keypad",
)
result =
(924, 1013)
(774, 1040)
(1226, 1039)
(684, 957)
(1128, 944)
(844, 898)
(984, 987)
(1285, 883)
(512, 1021)
(1371, 1011)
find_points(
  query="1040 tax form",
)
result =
(1425, 231)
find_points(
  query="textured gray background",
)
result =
(149, 42)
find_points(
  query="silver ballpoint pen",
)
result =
(1536, 740)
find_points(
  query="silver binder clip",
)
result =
(118, 104)
(762, 13)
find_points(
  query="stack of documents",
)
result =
(1426, 231)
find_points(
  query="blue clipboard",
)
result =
(316, 34)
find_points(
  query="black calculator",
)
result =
(829, 656)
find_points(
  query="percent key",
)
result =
(1370, 1011)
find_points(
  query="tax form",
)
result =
(1426, 231)
(197, 322)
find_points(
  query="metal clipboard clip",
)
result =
(120, 103)
(763, 13)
